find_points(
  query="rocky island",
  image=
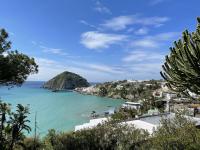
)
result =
(66, 81)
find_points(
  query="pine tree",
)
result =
(182, 67)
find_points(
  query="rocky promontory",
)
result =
(66, 81)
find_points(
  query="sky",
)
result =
(102, 40)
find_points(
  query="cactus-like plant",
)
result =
(182, 67)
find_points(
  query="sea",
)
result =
(61, 111)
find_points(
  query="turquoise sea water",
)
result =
(57, 110)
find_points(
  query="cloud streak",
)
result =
(98, 40)
(99, 7)
(153, 41)
(141, 56)
(57, 51)
(88, 24)
(122, 22)
(155, 2)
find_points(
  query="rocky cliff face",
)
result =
(66, 81)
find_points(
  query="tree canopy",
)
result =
(182, 67)
(14, 66)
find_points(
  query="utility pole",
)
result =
(35, 132)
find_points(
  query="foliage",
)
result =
(31, 144)
(102, 91)
(12, 125)
(109, 136)
(175, 134)
(14, 66)
(147, 104)
(123, 93)
(124, 114)
(181, 69)
(132, 91)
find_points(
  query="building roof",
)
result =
(139, 124)
(91, 124)
(132, 103)
(148, 123)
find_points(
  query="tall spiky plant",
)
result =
(182, 67)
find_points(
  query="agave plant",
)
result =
(182, 67)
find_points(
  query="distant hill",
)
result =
(66, 81)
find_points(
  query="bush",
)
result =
(124, 114)
(177, 133)
(31, 144)
(109, 136)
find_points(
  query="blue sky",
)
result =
(101, 40)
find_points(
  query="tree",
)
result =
(18, 122)
(14, 66)
(4, 110)
(133, 91)
(123, 92)
(140, 89)
(182, 67)
(102, 91)
(12, 125)
(14, 70)
(124, 114)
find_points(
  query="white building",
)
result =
(148, 123)
(131, 105)
(169, 96)
(93, 123)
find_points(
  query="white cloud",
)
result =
(164, 36)
(154, 41)
(106, 69)
(87, 24)
(141, 31)
(155, 2)
(144, 71)
(57, 51)
(98, 40)
(145, 43)
(45, 62)
(118, 23)
(99, 67)
(45, 49)
(121, 22)
(34, 43)
(130, 30)
(145, 62)
(99, 7)
(140, 55)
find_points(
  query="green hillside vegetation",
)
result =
(66, 81)
(132, 91)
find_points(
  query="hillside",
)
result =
(66, 81)
(129, 90)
